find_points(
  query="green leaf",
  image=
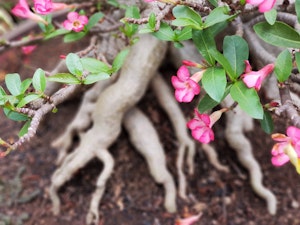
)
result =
(165, 33)
(213, 2)
(297, 8)
(218, 15)
(27, 99)
(271, 16)
(236, 51)
(204, 41)
(25, 85)
(56, 33)
(267, 123)
(95, 66)
(74, 36)
(74, 64)
(184, 34)
(65, 78)
(13, 83)
(152, 21)
(206, 103)
(224, 62)
(248, 99)
(119, 60)
(94, 77)
(39, 80)
(214, 82)
(24, 129)
(94, 19)
(297, 57)
(283, 66)
(12, 115)
(185, 16)
(279, 34)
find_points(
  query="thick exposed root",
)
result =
(236, 123)
(145, 139)
(168, 103)
(213, 158)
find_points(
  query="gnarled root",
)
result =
(236, 123)
(171, 107)
(213, 158)
(145, 139)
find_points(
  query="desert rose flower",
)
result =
(75, 22)
(263, 5)
(254, 79)
(287, 149)
(45, 7)
(186, 87)
(201, 125)
(26, 50)
(22, 10)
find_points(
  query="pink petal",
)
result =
(205, 118)
(68, 25)
(183, 73)
(254, 2)
(189, 220)
(184, 95)
(83, 19)
(251, 79)
(266, 5)
(72, 16)
(280, 160)
(293, 132)
(177, 84)
(194, 86)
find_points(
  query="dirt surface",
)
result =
(132, 197)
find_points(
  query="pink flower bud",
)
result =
(263, 5)
(26, 50)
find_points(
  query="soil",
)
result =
(132, 197)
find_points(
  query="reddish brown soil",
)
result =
(132, 197)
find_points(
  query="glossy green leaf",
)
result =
(13, 83)
(25, 85)
(94, 19)
(271, 16)
(184, 34)
(214, 82)
(213, 2)
(74, 36)
(185, 16)
(236, 51)
(206, 103)
(204, 41)
(95, 66)
(152, 21)
(24, 129)
(267, 123)
(119, 60)
(27, 99)
(39, 80)
(297, 8)
(65, 78)
(224, 63)
(74, 64)
(12, 115)
(56, 33)
(218, 15)
(165, 33)
(283, 65)
(248, 99)
(279, 34)
(94, 77)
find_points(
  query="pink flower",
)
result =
(22, 10)
(263, 5)
(189, 220)
(45, 7)
(287, 149)
(201, 125)
(186, 87)
(26, 50)
(255, 78)
(75, 22)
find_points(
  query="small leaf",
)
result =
(12, 115)
(27, 99)
(25, 85)
(236, 51)
(279, 34)
(204, 41)
(24, 129)
(152, 21)
(39, 80)
(165, 33)
(218, 15)
(94, 19)
(56, 33)
(74, 64)
(74, 36)
(206, 103)
(271, 16)
(184, 34)
(297, 8)
(119, 60)
(185, 16)
(92, 78)
(283, 66)
(267, 123)
(65, 78)
(248, 99)
(13, 83)
(95, 66)
(214, 82)
(213, 2)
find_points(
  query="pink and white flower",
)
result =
(75, 22)
(186, 87)
(22, 10)
(263, 5)
(287, 149)
(254, 79)
(45, 7)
